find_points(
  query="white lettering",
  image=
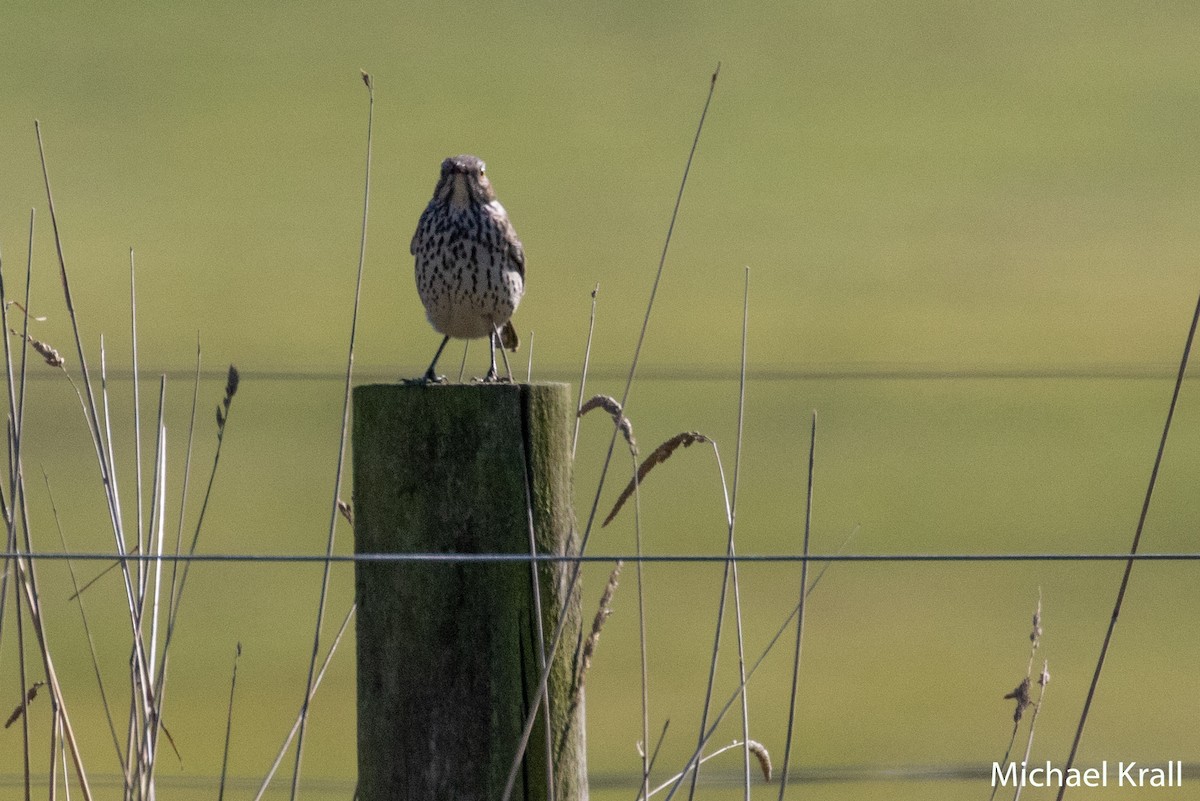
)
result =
(1001, 778)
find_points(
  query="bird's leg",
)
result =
(430, 376)
(492, 376)
(495, 340)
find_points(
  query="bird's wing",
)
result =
(516, 251)
(513, 247)
(412, 246)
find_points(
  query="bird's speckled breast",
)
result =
(467, 277)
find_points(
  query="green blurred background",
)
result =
(972, 240)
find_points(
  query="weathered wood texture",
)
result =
(446, 655)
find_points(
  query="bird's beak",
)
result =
(460, 193)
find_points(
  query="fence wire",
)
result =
(454, 558)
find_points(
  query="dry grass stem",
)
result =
(1134, 546)
(800, 607)
(229, 724)
(309, 685)
(1043, 680)
(659, 455)
(760, 754)
(1021, 694)
(587, 358)
(543, 680)
(316, 683)
(529, 364)
(649, 765)
(37, 318)
(613, 407)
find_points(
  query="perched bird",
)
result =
(470, 265)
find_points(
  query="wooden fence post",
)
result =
(447, 661)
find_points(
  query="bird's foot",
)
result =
(493, 377)
(429, 378)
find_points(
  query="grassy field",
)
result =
(921, 190)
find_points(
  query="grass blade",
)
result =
(787, 749)
(228, 725)
(1133, 548)
(573, 580)
(341, 458)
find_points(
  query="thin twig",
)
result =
(754, 668)
(161, 678)
(1021, 693)
(1133, 549)
(662, 735)
(718, 629)
(674, 780)
(748, 744)
(232, 382)
(643, 660)
(587, 357)
(529, 368)
(228, 725)
(157, 522)
(89, 403)
(731, 569)
(527, 731)
(137, 402)
(47, 661)
(1043, 680)
(341, 457)
(462, 367)
(87, 630)
(287, 742)
(787, 749)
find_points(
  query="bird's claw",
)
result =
(425, 380)
(493, 377)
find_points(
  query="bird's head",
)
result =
(463, 181)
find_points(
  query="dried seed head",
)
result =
(763, 756)
(51, 356)
(602, 613)
(610, 405)
(658, 456)
(20, 710)
(1021, 696)
(231, 384)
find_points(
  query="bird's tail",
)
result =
(508, 337)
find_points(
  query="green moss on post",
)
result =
(446, 655)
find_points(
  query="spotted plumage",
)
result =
(470, 265)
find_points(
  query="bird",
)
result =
(469, 263)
